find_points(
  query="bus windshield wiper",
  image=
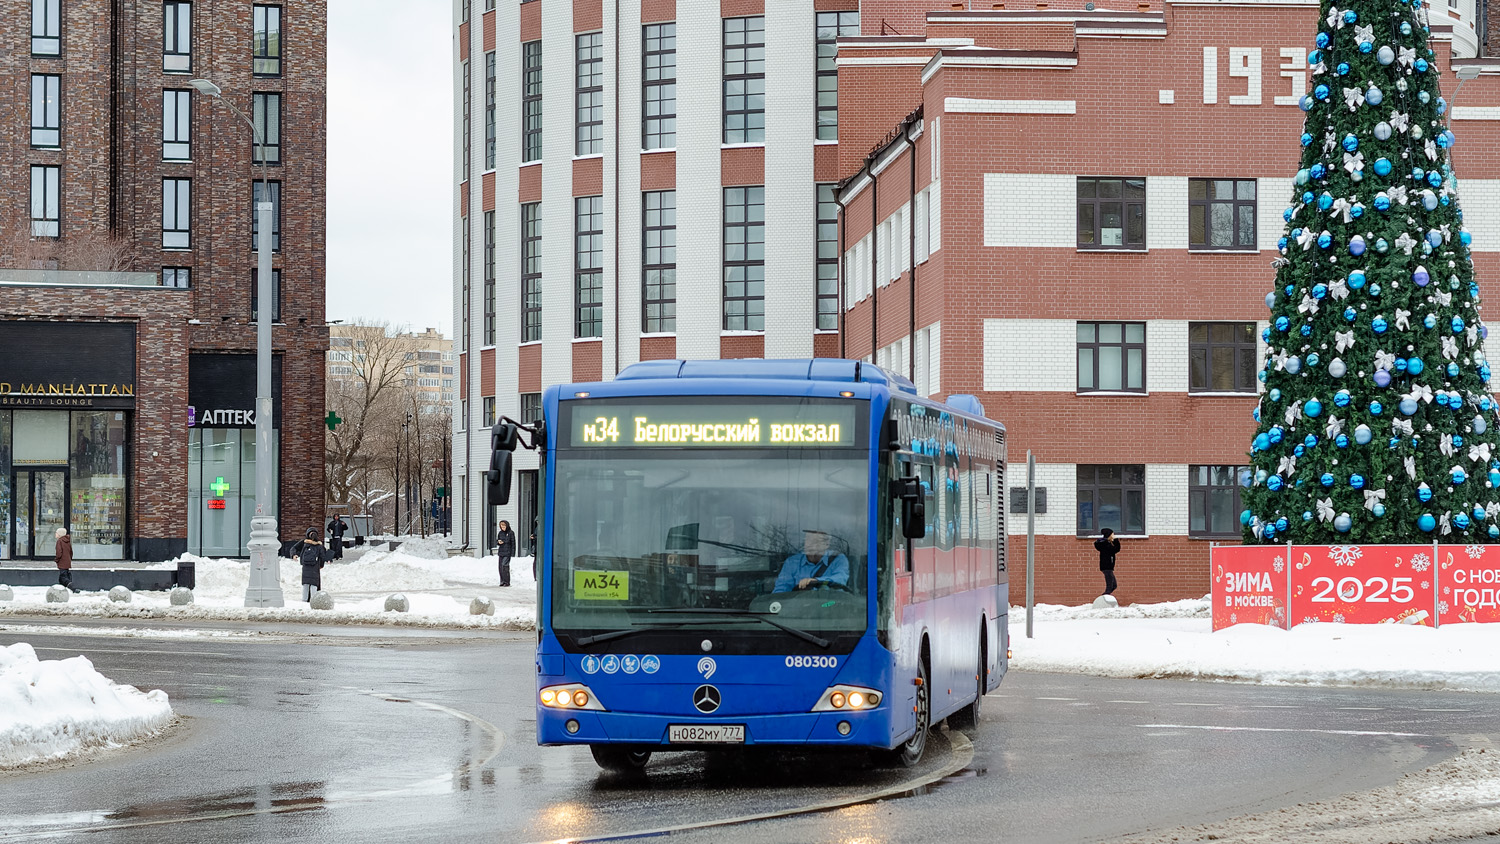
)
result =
(620, 634)
(801, 634)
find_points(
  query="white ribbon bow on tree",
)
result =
(1420, 392)
(1354, 162)
(1431, 149)
(1450, 348)
(1403, 319)
(1443, 297)
(1335, 426)
(1338, 289)
(1397, 193)
(1373, 497)
(1407, 55)
(1443, 526)
(1480, 453)
(1288, 466)
(1309, 305)
(1335, 17)
(1305, 240)
(1405, 243)
(1411, 467)
(1473, 333)
(1384, 360)
(1294, 413)
(1343, 340)
(1364, 33)
(1445, 230)
(1445, 445)
(1399, 121)
(1325, 509)
(1401, 426)
(1492, 509)
(1354, 98)
(1342, 206)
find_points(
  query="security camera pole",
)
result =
(264, 546)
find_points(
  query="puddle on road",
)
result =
(929, 788)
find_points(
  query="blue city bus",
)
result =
(763, 552)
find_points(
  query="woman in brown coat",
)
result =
(63, 556)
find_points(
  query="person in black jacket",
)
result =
(505, 546)
(1108, 547)
(337, 528)
(313, 555)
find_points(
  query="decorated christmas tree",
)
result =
(1376, 424)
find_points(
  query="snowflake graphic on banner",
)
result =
(1442, 607)
(1474, 551)
(1344, 555)
(1278, 564)
(1338, 618)
(1420, 562)
(1447, 590)
(1307, 619)
(1424, 584)
(1234, 618)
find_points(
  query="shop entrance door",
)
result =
(41, 508)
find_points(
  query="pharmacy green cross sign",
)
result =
(219, 487)
(332, 420)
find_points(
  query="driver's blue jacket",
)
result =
(798, 566)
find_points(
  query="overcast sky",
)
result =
(390, 170)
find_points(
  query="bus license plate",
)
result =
(706, 733)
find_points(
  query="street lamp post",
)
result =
(264, 546)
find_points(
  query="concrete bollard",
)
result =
(58, 594)
(119, 594)
(481, 606)
(6, 594)
(321, 600)
(1106, 602)
(180, 596)
(397, 603)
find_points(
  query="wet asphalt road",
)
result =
(373, 735)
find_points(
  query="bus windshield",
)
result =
(679, 542)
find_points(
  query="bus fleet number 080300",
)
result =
(812, 662)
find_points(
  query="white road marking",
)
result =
(1127, 701)
(1214, 728)
(102, 651)
(1179, 703)
(1058, 698)
(1360, 708)
(1273, 706)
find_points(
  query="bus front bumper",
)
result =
(865, 729)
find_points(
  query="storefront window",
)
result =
(97, 494)
(221, 489)
(5, 491)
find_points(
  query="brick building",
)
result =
(1071, 213)
(127, 367)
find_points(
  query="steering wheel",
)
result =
(833, 584)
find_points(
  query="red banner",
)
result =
(1363, 584)
(1249, 585)
(1469, 578)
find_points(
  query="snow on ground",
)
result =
(54, 708)
(1176, 640)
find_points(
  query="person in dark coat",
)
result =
(505, 546)
(313, 555)
(1108, 546)
(63, 556)
(338, 528)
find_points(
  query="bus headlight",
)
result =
(847, 699)
(571, 696)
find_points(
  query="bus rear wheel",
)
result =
(620, 760)
(910, 753)
(968, 717)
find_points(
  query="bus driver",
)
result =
(813, 567)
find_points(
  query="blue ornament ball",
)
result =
(1307, 139)
(1427, 523)
(1385, 55)
(1461, 521)
(1273, 483)
(1282, 323)
(1478, 513)
(1282, 524)
(1325, 200)
(1405, 28)
(1342, 69)
(1275, 434)
(1362, 435)
(1382, 166)
(1376, 408)
(1271, 299)
(1357, 245)
(1381, 246)
(1261, 442)
(1357, 481)
(1419, 277)
(1382, 202)
(1382, 378)
(1326, 479)
(1342, 523)
(1350, 16)
(1275, 394)
(1421, 66)
(1457, 324)
(1323, 39)
(1293, 365)
(1414, 366)
(1313, 408)
(1479, 425)
(1319, 291)
(1325, 240)
(1434, 239)
(1435, 178)
(1306, 515)
(1408, 406)
(1429, 321)
(1351, 143)
(1270, 531)
(1245, 518)
(1305, 331)
(1494, 532)
(1458, 475)
(1366, 46)
(1318, 171)
(1374, 96)
(1378, 325)
(1350, 314)
(1311, 439)
(1342, 441)
(1321, 92)
(1357, 279)
(1299, 451)
(1465, 238)
(1378, 510)
(1341, 398)
(1452, 370)
(1424, 493)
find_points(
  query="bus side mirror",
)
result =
(497, 479)
(913, 510)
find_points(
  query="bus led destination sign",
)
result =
(681, 425)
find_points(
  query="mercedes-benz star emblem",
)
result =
(706, 699)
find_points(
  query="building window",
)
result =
(531, 408)
(46, 207)
(266, 109)
(489, 411)
(179, 277)
(531, 272)
(489, 111)
(744, 80)
(827, 295)
(276, 297)
(659, 81)
(531, 101)
(464, 271)
(1112, 497)
(1111, 357)
(255, 200)
(489, 278)
(1221, 213)
(46, 27)
(489, 5)
(267, 41)
(589, 98)
(831, 27)
(659, 296)
(588, 266)
(1214, 500)
(176, 125)
(177, 37)
(468, 96)
(745, 259)
(1223, 357)
(177, 214)
(46, 110)
(1112, 213)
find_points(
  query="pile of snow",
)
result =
(428, 548)
(50, 709)
(1177, 640)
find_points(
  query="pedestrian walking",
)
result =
(63, 556)
(505, 546)
(313, 556)
(1108, 546)
(337, 528)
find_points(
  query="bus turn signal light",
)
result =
(571, 696)
(847, 698)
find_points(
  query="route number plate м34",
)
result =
(706, 734)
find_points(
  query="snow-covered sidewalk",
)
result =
(50, 709)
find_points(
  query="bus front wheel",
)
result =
(910, 753)
(622, 760)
